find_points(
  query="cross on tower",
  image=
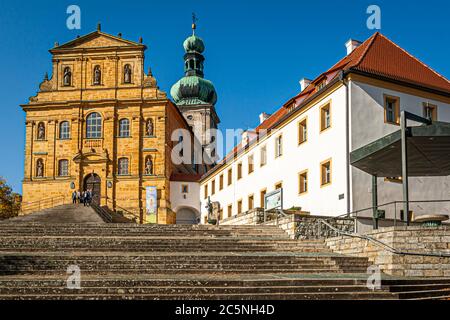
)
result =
(194, 20)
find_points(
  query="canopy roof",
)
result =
(428, 153)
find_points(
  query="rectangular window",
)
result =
(230, 210)
(239, 171)
(184, 188)
(263, 155)
(213, 187)
(206, 191)
(279, 185)
(221, 182)
(302, 131)
(230, 176)
(250, 164)
(391, 109)
(430, 111)
(279, 146)
(303, 182)
(325, 117)
(63, 170)
(262, 194)
(325, 173)
(123, 166)
(250, 202)
(239, 207)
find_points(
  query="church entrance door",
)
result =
(93, 182)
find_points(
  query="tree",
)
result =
(9, 201)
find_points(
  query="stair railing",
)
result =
(42, 204)
(104, 214)
(383, 245)
(115, 208)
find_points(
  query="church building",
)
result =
(101, 123)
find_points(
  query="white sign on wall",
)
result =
(274, 200)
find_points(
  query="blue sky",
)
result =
(256, 51)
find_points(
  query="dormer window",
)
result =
(321, 85)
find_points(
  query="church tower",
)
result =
(195, 96)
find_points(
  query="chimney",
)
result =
(304, 83)
(263, 117)
(352, 45)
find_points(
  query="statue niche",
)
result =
(67, 77)
(97, 75)
(40, 168)
(148, 166)
(41, 131)
(127, 74)
(149, 129)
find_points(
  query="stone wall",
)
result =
(407, 239)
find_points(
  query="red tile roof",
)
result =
(377, 56)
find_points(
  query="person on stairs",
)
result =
(74, 197)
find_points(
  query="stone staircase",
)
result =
(127, 261)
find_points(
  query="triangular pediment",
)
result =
(97, 39)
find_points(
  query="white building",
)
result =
(309, 139)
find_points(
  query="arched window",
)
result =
(148, 165)
(63, 168)
(124, 128)
(97, 75)
(94, 126)
(127, 73)
(67, 76)
(40, 168)
(41, 131)
(123, 166)
(64, 130)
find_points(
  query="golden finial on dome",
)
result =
(194, 20)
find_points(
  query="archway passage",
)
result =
(187, 216)
(93, 182)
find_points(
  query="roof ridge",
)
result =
(366, 50)
(416, 59)
(97, 32)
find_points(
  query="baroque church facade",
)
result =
(101, 123)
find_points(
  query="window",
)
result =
(279, 185)
(325, 117)
(251, 202)
(64, 130)
(263, 155)
(63, 168)
(302, 131)
(303, 182)
(250, 164)
(279, 146)
(325, 173)
(430, 111)
(230, 176)
(205, 189)
(184, 188)
(221, 182)
(213, 187)
(180, 142)
(321, 85)
(239, 206)
(239, 171)
(394, 179)
(124, 128)
(391, 109)
(262, 194)
(220, 214)
(230, 210)
(94, 126)
(123, 166)
(97, 76)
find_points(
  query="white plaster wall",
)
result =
(367, 125)
(296, 158)
(179, 200)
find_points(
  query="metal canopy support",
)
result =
(403, 129)
(375, 201)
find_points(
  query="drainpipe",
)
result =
(347, 137)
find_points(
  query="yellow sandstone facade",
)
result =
(101, 123)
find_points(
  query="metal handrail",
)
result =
(138, 216)
(384, 245)
(38, 204)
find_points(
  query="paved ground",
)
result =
(70, 213)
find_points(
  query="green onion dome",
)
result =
(192, 90)
(194, 44)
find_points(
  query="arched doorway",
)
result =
(187, 216)
(92, 182)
